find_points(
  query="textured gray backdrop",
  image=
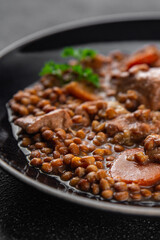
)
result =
(21, 17)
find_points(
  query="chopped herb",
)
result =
(59, 69)
(53, 68)
(79, 54)
(86, 74)
(76, 72)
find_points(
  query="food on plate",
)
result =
(95, 122)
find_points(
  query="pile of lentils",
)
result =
(81, 155)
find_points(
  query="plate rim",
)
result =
(146, 16)
(87, 202)
(101, 205)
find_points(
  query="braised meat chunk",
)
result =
(59, 118)
(146, 84)
(138, 125)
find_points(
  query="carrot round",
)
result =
(148, 55)
(131, 171)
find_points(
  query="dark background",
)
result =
(26, 213)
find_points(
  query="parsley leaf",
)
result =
(76, 72)
(86, 74)
(79, 54)
(60, 69)
(53, 68)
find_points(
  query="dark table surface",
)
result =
(26, 213)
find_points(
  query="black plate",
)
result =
(19, 67)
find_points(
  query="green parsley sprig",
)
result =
(76, 72)
(79, 54)
(80, 72)
(54, 68)
(86, 74)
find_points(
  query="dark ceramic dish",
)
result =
(19, 67)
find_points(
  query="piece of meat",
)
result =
(139, 124)
(59, 118)
(148, 55)
(131, 171)
(152, 147)
(80, 90)
(145, 83)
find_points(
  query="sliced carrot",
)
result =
(80, 91)
(148, 55)
(131, 171)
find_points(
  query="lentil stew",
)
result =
(100, 138)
